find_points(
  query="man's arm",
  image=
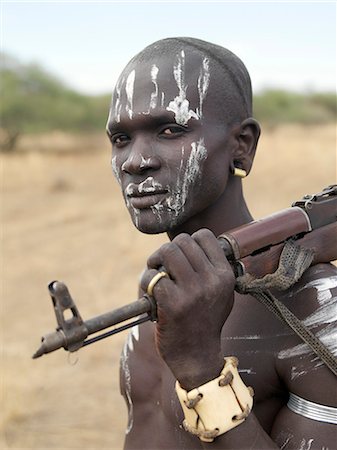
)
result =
(192, 308)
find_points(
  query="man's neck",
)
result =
(228, 212)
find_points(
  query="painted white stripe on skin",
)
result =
(326, 313)
(247, 371)
(187, 177)
(328, 336)
(252, 336)
(128, 347)
(108, 121)
(295, 373)
(144, 162)
(203, 83)
(306, 445)
(283, 438)
(147, 186)
(115, 169)
(154, 95)
(117, 108)
(133, 211)
(129, 92)
(180, 105)
(322, 285)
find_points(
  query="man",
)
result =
(181, 131)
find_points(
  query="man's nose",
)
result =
(139, 161)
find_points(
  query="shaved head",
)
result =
(230, 92)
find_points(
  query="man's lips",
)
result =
(145, 194)
(142, 200)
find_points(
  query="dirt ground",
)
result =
(63, 218)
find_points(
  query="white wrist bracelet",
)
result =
(218, 405)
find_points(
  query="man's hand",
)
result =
(193, 304)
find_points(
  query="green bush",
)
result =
(34, 101)
(278, 106)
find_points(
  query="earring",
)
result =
(241, 173)
(237, 171)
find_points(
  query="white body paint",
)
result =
(247, 371)
(148, 186)
(326, 313)
(203, 83)
(180, 105)
(130, 81)
(328, 336)
(115, 111)
(306, 445)
(244, 337)
(189, 171)
(128, 347)
(283, 439)
(115, 169)
(176, 198)
(154, 95)
(187, 177)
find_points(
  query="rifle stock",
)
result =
(323, 241)
(253, 248)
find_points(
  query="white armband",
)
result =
(218, 405)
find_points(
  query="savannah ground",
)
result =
(63, 218)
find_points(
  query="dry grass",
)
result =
(63, 218)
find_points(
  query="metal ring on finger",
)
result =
(154, 281)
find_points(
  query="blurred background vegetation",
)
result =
(35, 101)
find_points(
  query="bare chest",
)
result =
(148, 385)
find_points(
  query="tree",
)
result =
(32, 100)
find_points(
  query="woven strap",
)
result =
(294, 261)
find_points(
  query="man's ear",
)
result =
(247, 138)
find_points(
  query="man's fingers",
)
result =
(210, 246)
(174, 260)
(150, 280)
(193, 252)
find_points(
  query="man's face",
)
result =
(168, 146)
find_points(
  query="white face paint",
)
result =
(148, 186)
(130, 81)
(193, 154)
(154, 95)
(203, 83)
(115, 169)
(115, 110)
(174, 202)
(180, 105)
(187, 177)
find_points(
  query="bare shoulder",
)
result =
(314, 301)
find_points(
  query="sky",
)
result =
(289, 45)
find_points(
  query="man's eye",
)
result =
(119, 139)
(172, 131)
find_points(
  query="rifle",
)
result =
(253, 248)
